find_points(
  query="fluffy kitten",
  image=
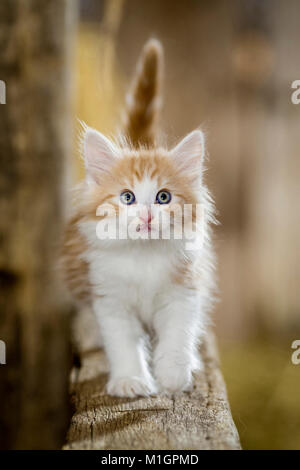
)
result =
(134, 286)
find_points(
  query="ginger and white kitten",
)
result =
(142, 287)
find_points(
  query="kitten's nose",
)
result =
(146, 218)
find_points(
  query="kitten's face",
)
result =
(148, 194)
(146, 190)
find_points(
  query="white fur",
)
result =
(132, 288)
(133, 293)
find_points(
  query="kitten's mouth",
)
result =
(144, 228)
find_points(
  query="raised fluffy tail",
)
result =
(143, 101)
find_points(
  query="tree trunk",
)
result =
(35, 40)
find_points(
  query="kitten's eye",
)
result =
(163, 197)
(127, 197)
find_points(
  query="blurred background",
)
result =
(229, 68)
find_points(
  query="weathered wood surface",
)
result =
(200, 419)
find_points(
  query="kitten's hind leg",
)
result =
(86, 333)
(125, 346)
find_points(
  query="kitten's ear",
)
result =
(100, 154)
(189, 154)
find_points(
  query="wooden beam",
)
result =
(200, 419)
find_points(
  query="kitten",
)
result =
(143, 286)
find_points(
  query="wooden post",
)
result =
(35, 42)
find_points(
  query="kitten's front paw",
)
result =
(174, 379)
(130, 387)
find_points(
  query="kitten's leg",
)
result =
(85, 321)
(178, 326)
(125, 346)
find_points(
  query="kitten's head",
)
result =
(145, 188)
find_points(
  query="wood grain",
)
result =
(200, 419)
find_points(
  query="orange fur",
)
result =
(75, 269)
(140, 159)
(143, 101)
(134, 165)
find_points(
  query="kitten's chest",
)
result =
(135, 278)
(138, 268)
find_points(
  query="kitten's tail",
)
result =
(143, 101)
